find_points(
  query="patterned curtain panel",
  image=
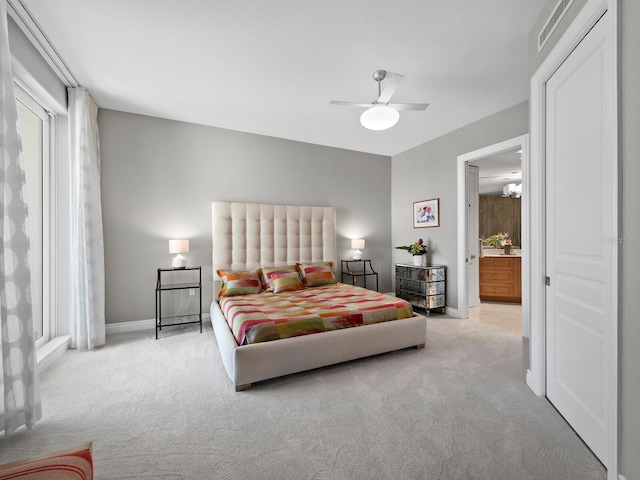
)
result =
(20, 399)
(87, 265)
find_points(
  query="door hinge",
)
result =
(547, 281)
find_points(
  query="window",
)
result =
(34, 127)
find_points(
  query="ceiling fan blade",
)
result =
(409, 106)
(350, 104)
(391, 82)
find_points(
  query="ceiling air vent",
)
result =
(552, 22)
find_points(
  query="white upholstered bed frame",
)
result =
(247, 236)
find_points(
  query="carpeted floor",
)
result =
(458, 409)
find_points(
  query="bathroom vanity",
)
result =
(501, 278)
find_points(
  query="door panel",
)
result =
(579, 212)
(473, 241)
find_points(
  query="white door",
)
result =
(473, 242)
(580, 211)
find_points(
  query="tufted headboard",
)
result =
(250, 235)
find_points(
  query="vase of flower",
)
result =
(499, 240)
(418, 250)
(507, 244)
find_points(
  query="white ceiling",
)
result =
(499, 170)
(271, 67)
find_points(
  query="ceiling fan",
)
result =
(381, 114)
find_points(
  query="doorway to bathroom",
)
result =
(492, 231)
(498, 207)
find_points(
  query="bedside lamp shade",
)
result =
(179, 247)
(357, 244)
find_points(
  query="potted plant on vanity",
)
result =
(499, 240)
(418, 250)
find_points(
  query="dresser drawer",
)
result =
(496, 290)
(496, 275)
(496, 262)
(416, 286)
(428, 302)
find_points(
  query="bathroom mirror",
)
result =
(500, 214)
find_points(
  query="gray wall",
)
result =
(629, 261)
(159, 178)
(430, 171)
(630, 254)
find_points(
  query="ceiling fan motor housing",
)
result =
(379, 75)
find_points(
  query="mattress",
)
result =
(269, 316)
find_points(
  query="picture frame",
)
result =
(426, 213)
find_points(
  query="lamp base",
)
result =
(179, 261)
(357, 255)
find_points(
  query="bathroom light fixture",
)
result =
(179, 246)
(512, 190)
(357, 244)
(379, 117)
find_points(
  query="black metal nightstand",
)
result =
(182, 285)
(366, 271)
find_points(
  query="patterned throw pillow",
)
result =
(239, 283)
(286, 282)
(316, 274)
(268, 274)
(73, 464)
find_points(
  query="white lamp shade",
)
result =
(379, 117)
(178, 246)
(357, 243)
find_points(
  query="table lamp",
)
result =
(357, 244)
(179, 247)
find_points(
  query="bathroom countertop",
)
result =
(498, 252)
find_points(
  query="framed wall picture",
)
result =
(426, 213)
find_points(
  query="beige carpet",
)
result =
(458, 409)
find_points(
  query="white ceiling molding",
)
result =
(34, 33)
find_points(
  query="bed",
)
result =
(249, 236)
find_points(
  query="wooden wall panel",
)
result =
(500, 214)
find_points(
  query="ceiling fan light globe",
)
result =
(379, 117)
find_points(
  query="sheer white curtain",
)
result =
(20, 398)
(87, 260)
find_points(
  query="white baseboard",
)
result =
(138, 325)
(51, 351)
(621, 477)
(134, 326)
(454, 312)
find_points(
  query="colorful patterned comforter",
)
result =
(270, 316)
